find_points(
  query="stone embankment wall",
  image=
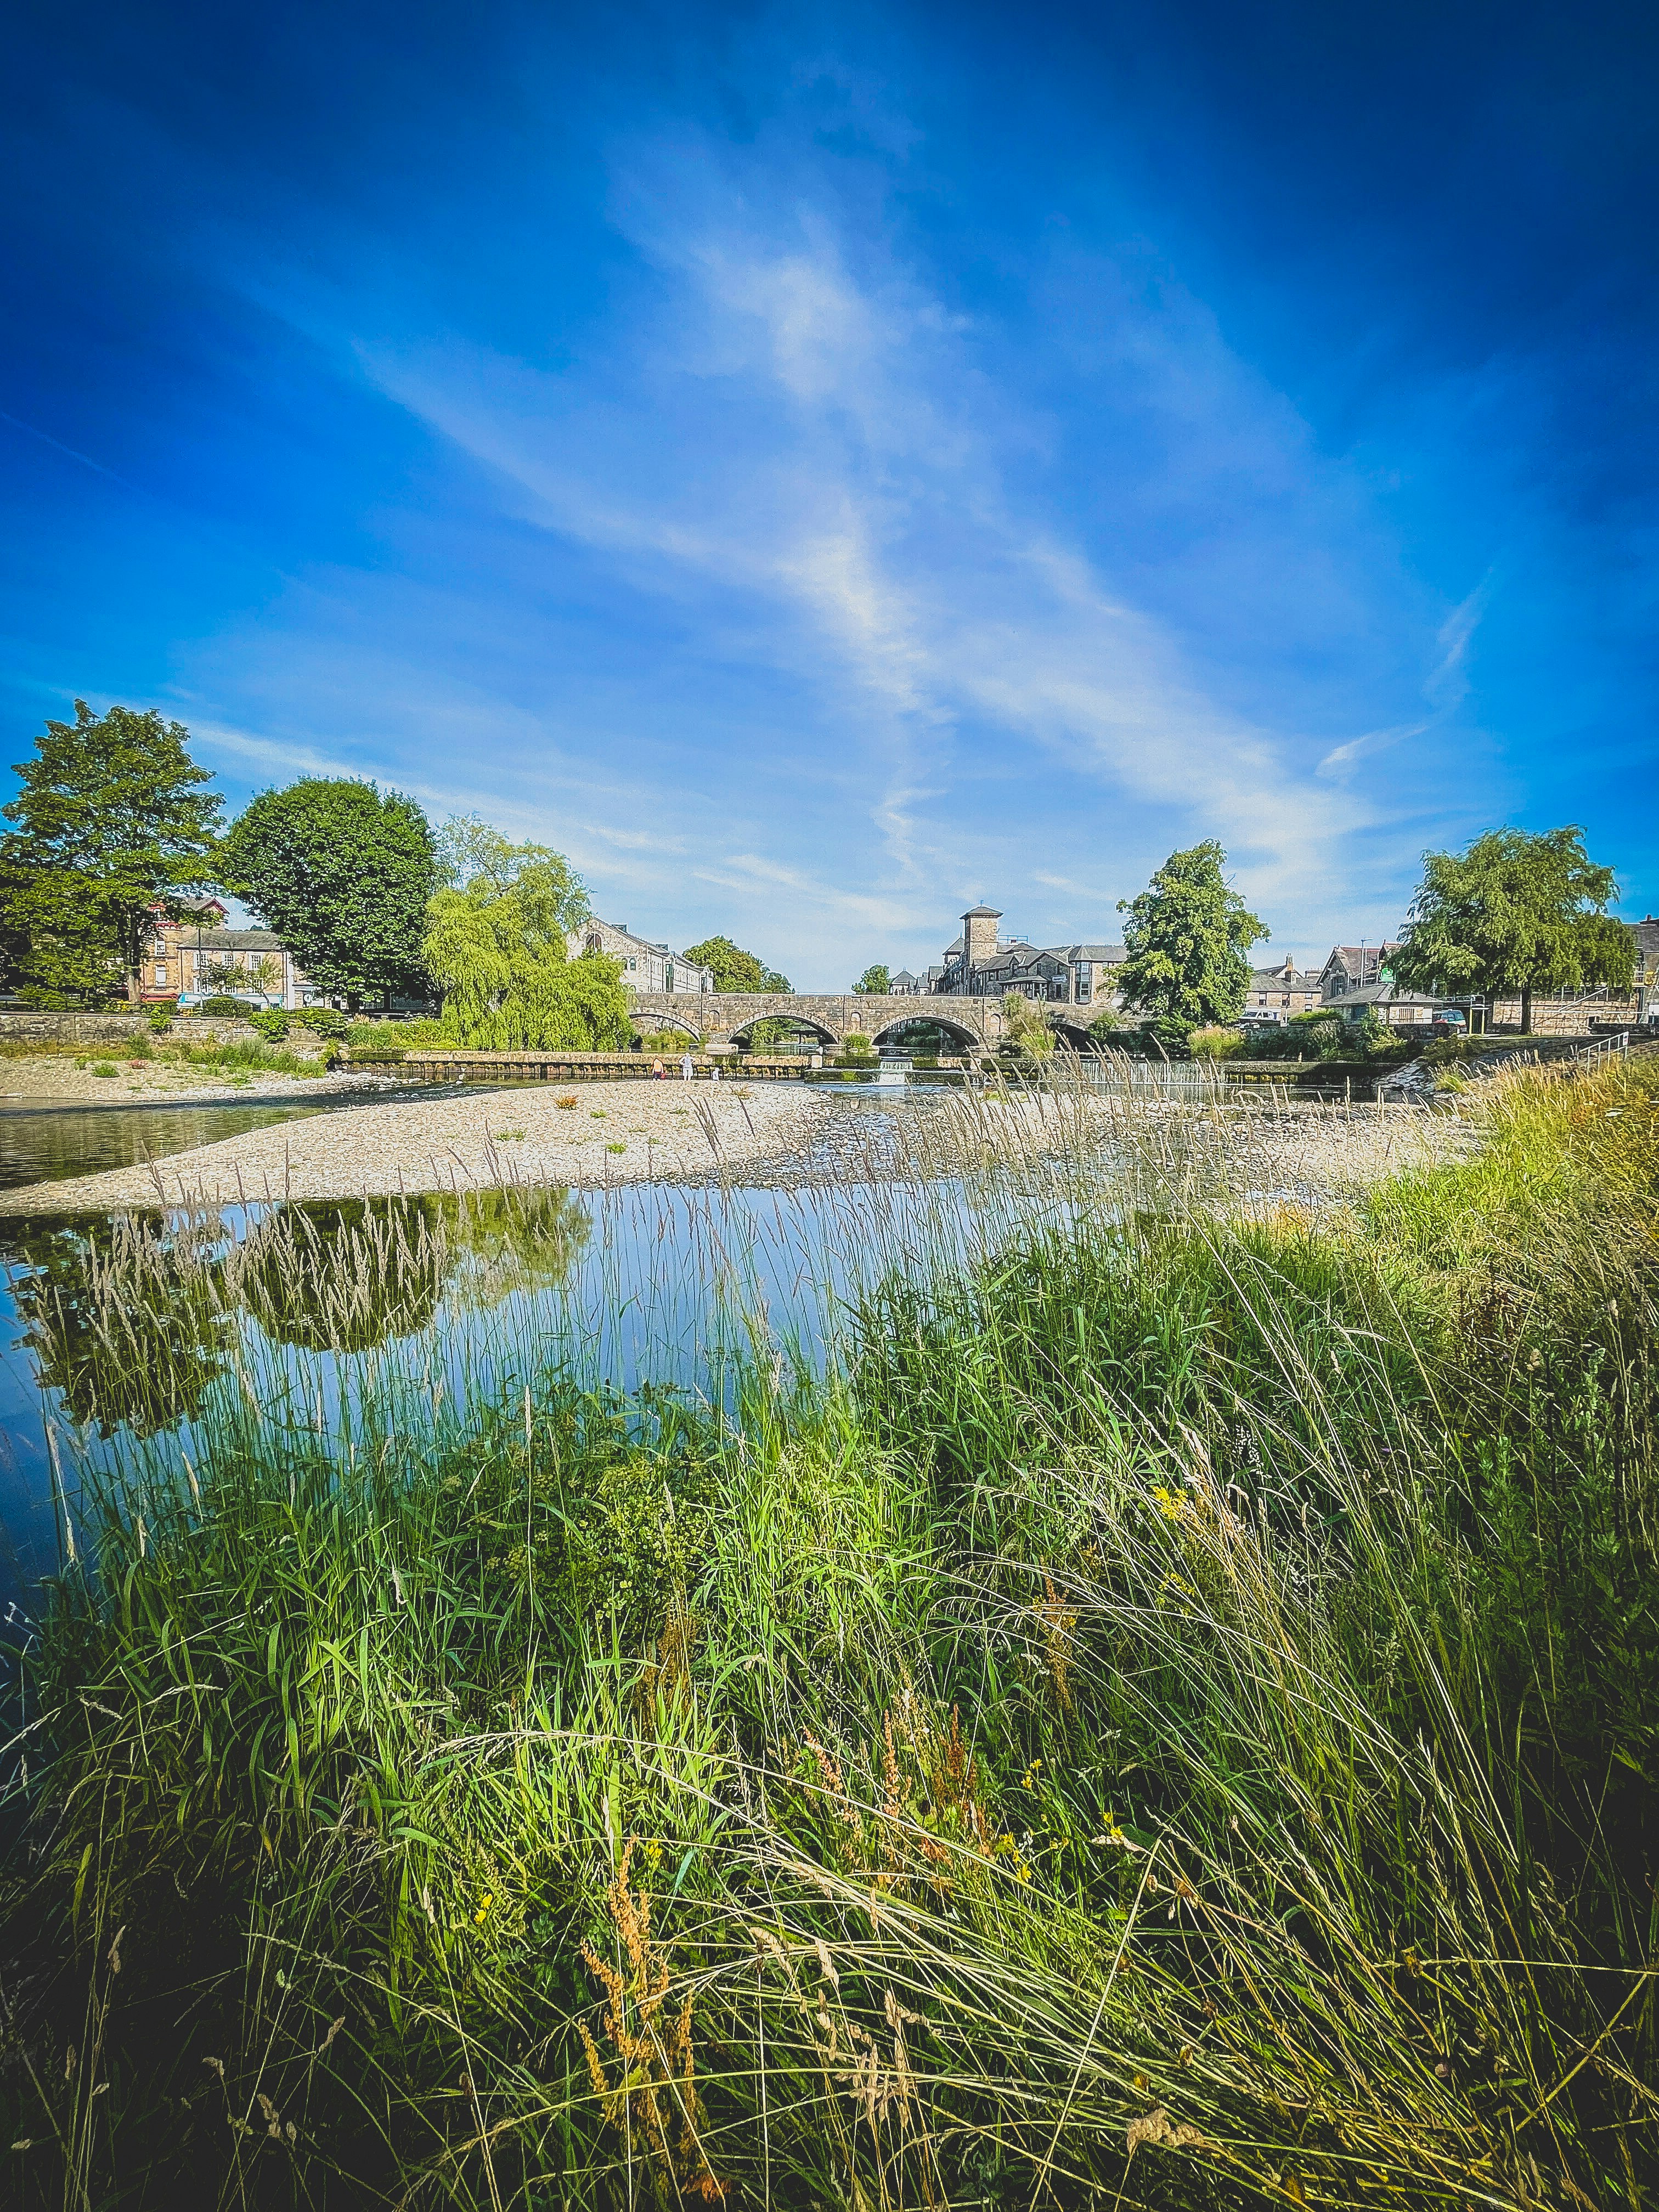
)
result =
(1563, 1016)
(116, 1029)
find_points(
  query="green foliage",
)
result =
(475, 857)
(733, 969)
(341, 872)
(497, 950)
(875, 983)
(1215, 1043)
(324, 1021)
(111, 816)
(1164, 1037)
(1187, 937)
(223, 1008)
(269, 1022)
(665, 1041)
(161, 1020)
(1165, 1721)
(1514, 913)
(1322, 1033)
(1028, 1034)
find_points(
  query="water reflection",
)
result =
(132, 1319)
(125, 1316)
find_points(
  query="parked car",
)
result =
(1450, 1024)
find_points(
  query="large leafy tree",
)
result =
(1517, 912)
(112, 816)
(1189, 937)
(342, 872)
(497, 947)
(735, 969)
(874, 983)
(473, 856)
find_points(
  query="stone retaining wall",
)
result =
(115, 1028)
(1564, 1016)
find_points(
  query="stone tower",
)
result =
(979, 934)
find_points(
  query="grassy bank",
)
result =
(233, 1056)
(1169, 1721)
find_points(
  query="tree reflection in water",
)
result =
(346, 1276)
(132, 1319)
(125, 1316)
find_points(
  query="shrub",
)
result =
(161, 1020)
(1215, 1042)
(1161, 1037)
(271, 1023)
(392, 1036)
(103, 1067)
(324, 1021)
(222, 1009)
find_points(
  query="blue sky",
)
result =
(819, 467)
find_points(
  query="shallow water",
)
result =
(49, 1144)
(129, 1335)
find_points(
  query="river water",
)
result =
(124, 1334)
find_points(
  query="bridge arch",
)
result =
(1073, 1031)
(816, 1029)
(969, 1040)
(644, 1025)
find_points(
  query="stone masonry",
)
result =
(834, 1016)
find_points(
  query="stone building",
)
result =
(1277, 994)
(190, 954)
(646, 965)
(1351, 968)
(980, 965)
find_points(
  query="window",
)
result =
(632, 963)
(161, 971)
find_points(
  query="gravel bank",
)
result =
(614, 1133)
(775, 1133)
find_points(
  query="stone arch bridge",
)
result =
(726, 1016)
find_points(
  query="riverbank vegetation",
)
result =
(1165, 1717)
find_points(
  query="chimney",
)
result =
(979, 933)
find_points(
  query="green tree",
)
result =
(499, 951)
(1188, 937)
(1028, 1034)
(473, 856)
(342, 872)
(1516, 912)
(735, 969)
(112, 816)
(875, 983)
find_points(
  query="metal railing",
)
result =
(1598, 1053)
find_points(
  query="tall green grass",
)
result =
(1166, 1718)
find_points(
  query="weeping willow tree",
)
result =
(497, 947)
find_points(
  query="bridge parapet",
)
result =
(723, 1015)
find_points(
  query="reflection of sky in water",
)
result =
(647, 1283)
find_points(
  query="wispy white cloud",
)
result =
(828, 479)
(1448, 682)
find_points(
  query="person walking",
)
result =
(686, 1068)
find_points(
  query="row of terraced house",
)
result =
(1355, 980)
